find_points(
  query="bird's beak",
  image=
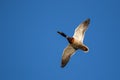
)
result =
(58, 32)
(62, 34)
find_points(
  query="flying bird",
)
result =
(75, 42)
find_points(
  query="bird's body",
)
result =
(75, 42)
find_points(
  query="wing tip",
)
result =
(62, 66)
(87, 20)
(65, 61)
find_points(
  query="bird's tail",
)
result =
(63, 34)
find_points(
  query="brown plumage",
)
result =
(75, 42)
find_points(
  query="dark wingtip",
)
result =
(87, 21)
(64, 62)
(63, 65)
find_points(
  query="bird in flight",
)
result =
(75, 42)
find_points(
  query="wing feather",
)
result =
(68, 51)
(80, 30)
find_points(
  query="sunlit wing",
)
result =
(68, 51)
(80, 30)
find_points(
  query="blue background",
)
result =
(30, 48)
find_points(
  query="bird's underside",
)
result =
(75, 42)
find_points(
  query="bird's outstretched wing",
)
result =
(80, 30)
(68, 51)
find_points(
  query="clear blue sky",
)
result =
(30, 48)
